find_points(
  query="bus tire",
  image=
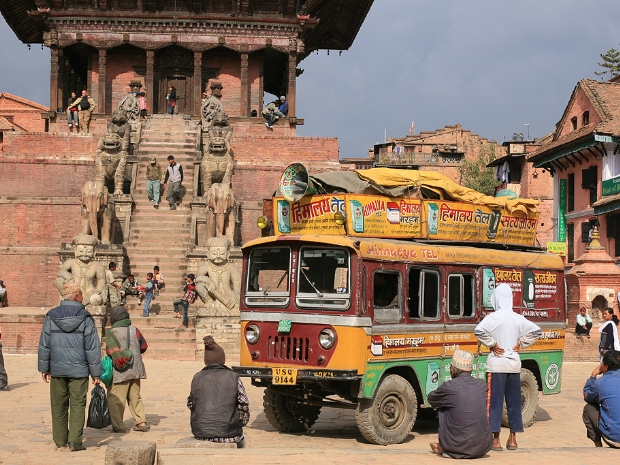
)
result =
(529, 399)
(388, 417)
(284, 413)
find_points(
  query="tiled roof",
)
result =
(605, 98)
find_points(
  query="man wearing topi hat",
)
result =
(69, 350)
(218, 402)
(153, 180)
(464, 431)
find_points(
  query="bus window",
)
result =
(461, 292)
(423, 293)
(268, 277)
(323, 279)
(386, 296)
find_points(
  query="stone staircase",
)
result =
(160, 236)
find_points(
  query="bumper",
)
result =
(303, 375)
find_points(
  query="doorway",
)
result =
(180, 84)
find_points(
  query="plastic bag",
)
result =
(98, 412)
(106, 371)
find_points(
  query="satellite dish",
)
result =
(295, 182)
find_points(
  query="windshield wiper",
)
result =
(277, 285)
(318, 293)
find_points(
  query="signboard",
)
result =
(611, 186)
(558, 248)
(459, 221)
(562, 211)
(380, 216)
(309, 215)
(534, 291)
(392, 217)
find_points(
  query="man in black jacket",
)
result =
(464, 431)
(218, 401)
(69, 350)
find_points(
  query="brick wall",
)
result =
(21, 329)
(29, 274)
(48, 147)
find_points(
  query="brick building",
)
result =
(442, 150)
(583, 157)
(516, 174)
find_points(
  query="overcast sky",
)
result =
(490, 65)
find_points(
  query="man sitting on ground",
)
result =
(218, 401)
(464, 431)
(601, 414)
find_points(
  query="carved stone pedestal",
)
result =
(221, 323)
(99, 313)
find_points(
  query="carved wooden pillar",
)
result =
(245, 86)
(61, 97)
(101, 97)
(197, 83)
(150, 80)
(54, 78)
(261, 83)
(292, 84)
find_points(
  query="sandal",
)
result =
(436, 448)
(497, 449)
(509, 447)
(144, 428)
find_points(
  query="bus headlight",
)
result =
(252, 334)
(327, 338)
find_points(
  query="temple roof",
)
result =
(338, 22)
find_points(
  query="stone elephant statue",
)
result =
(97, 212)
(221, 211)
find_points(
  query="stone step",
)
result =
(162, 322)
(170, 353)
(164, 334)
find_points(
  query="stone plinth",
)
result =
(130, 453)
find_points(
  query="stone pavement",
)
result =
(25, 427)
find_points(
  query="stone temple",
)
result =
(227, 55)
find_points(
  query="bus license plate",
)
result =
(286, 376)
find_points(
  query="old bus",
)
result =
(371, 323)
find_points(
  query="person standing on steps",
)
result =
(182, 304)
(171, 97)
(174, 174)
(86, 107)
(72, 113)
(153, 180)
(505, 333)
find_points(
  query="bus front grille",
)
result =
(288, 348)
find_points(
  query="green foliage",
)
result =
(476, 175)
(611, 63)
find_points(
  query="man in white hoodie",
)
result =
(505, 333)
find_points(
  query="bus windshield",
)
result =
(324, 279)
(268, 277)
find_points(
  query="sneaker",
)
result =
(139, 301)
(70, 124)
(267, 124)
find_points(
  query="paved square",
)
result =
(558, 435)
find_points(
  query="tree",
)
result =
(611, 63)
(476, 175)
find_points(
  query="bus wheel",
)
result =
(286, 413)
(388, 417)
(529, 399)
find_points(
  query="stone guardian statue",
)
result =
(84, 271)
(218, 282)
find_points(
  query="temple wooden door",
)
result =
(180, 83)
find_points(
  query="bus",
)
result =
(371, 323)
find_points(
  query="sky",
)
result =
(492, 66)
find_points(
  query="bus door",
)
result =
(424, 315)
(461, 315)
